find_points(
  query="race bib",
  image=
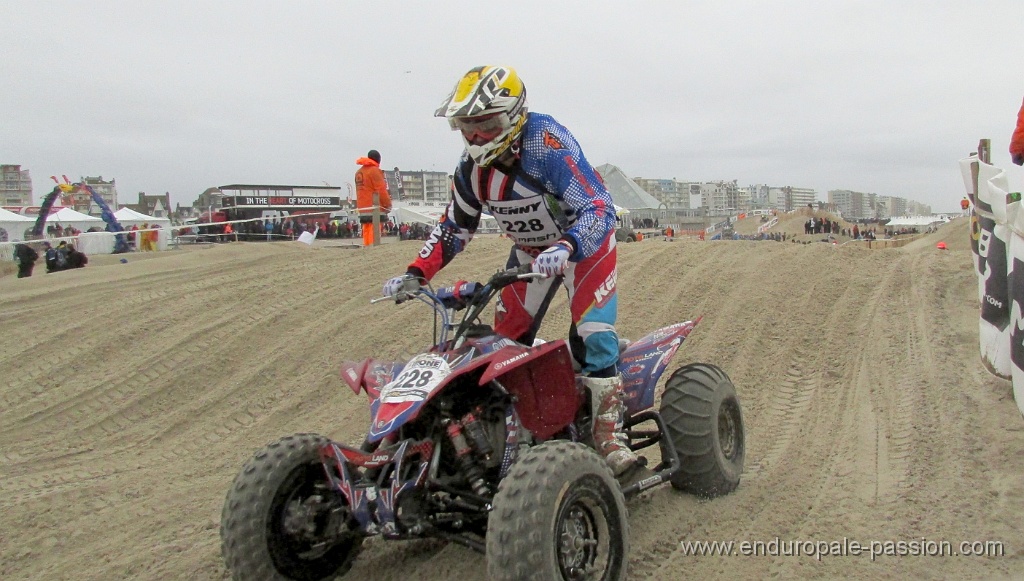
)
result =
(420, 377)
(527, 221)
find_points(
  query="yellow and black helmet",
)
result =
(488, 106)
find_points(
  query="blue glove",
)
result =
(392, 286)
(552, 261)
(1018, 158)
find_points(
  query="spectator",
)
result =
(1017, 140)
(51, 257)
(370, 180)
(76, 259)
(61, 261)
(26, 257)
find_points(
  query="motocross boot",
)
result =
(607, 410)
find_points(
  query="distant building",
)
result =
(918, 209)
(673, 193)
(16, 187)
(158, 205)
(791, 198)
(722, 198)
(864, 206)
(419, 185)
(83, 202)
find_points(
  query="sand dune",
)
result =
(132, 393)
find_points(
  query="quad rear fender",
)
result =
(643, 362)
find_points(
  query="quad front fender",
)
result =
(369, 375)
(543, 382)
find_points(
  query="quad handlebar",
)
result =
(461, 293)
(460, 296)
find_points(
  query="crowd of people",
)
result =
(292, 228)
(770, 236)
(58, 231)
(62, 257)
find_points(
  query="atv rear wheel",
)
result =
(703, 418)
(560, 515)
(282, 521)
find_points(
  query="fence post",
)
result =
(376, 219)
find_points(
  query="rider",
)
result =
(529, 172)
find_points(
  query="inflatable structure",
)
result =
(120, 240)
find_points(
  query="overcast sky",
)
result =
(873, 96)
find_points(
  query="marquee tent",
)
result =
(431, 215)
(128, 217)
(920, 222)
(427, 216)
(13, 226)
(69, 217)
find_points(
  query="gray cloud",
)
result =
(182, 96)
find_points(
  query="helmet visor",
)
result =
(481, 130)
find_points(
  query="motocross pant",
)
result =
(592, 303)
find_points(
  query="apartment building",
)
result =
(425, 186)
(859, 205)
(156, 205)
(83, 202)
(673, 193)
(16, 186)
(726, 197)
(721, 198)
(851, 205)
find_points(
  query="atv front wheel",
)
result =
(282, 521)
(703, 418)
(559, 515)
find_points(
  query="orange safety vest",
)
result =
(370, 179)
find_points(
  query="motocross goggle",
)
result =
(481, 129)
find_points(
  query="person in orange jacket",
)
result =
(370, 180)
(1017, 140)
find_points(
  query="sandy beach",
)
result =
(131, 394)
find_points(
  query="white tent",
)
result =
(13, 226)
(920, 222)
(69, 217)
(128, 218)
(428, 216)
(431, 216)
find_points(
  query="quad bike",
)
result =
(484, 442)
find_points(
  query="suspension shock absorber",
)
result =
(474, 473)
(477, 434)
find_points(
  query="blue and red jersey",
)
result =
(551, 193)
